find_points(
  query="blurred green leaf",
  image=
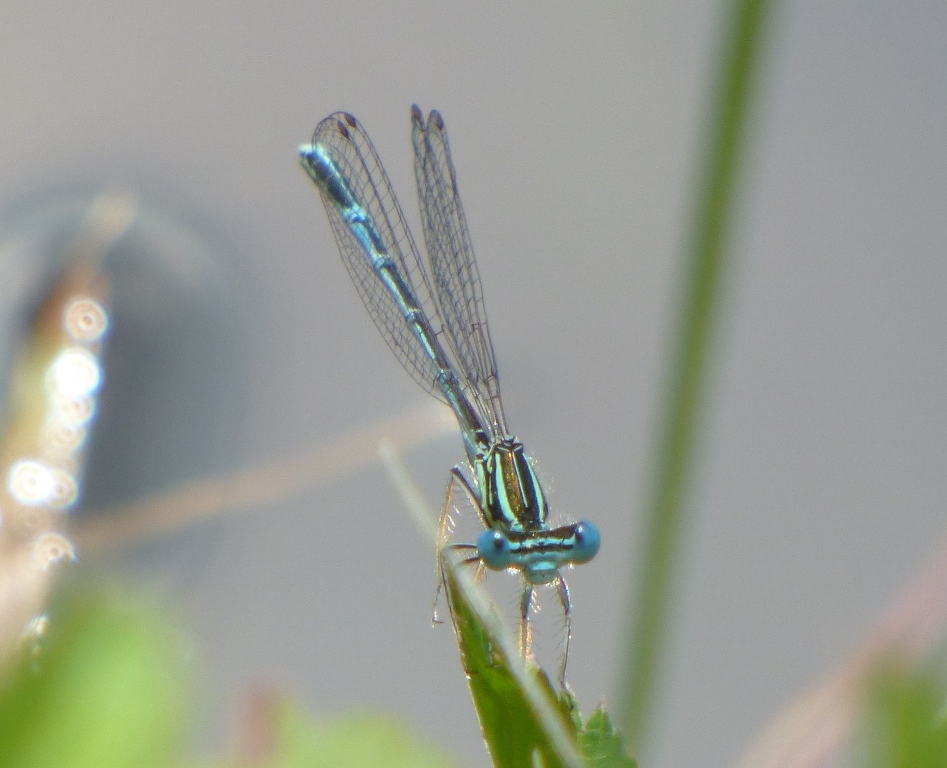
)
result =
(105, 690)
(905, 724)
(354, 741)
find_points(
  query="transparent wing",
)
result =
(454, 278)
(357, 160)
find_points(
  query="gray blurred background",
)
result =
(575, 132)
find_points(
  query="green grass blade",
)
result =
(706, 249)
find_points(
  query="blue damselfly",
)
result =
(431, 313)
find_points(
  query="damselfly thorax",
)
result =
(509, 489)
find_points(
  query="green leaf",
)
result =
(524, 722)
(104, 691)
(601, 745)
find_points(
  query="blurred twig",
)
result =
(212, 496)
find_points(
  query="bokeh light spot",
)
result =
(52, 548)
(85, 319)
(30, 482)
(75, 373)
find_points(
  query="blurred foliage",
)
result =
(104, 688)
(289, 737)
(905, 718)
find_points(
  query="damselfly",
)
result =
(431, 313)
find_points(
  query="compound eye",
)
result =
(494, 550)
(587, 542)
